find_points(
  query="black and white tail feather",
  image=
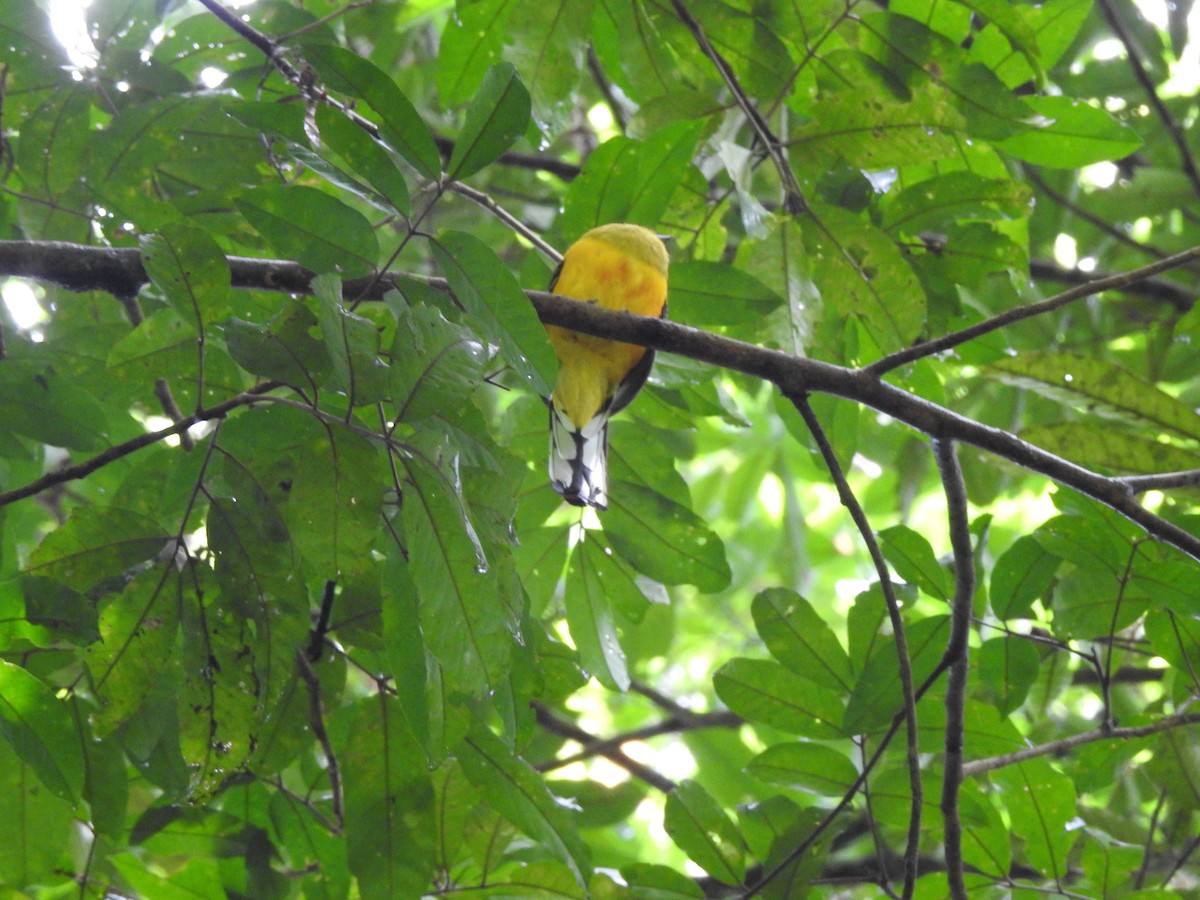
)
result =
(579, 456)
(579, 459)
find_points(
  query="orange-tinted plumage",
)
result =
(620, 267)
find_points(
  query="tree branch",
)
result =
(794, 376)
(1113, 282)
(1180, 296)
(793, 198)
(859, 516)
(1062, 745)
(1174, 129)
(1098, 222)
(117, 451)
(563, 728)
(670, 725)
(956, 655)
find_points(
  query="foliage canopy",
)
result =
(898, 589)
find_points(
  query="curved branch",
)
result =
(117, 451)
(912, 734)
(64, 264)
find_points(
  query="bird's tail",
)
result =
(579, 459)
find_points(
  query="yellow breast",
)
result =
(597, 271)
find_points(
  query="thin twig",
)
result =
(162, 390)
(481, 199)
(1183, 858)
(859, 517)
(1181, 297)
(1113, 282)
(620, 116)
(1140, 878)
(316, 721)
(565, 170)
(873, 825)
(1139, 484)
(1098, 222)
(957, 656)
(672, 725)
(1174, 129)
(793, 198)
(322, 819)
(556, 725)
(806, 845)
(119, 451)
(1062, 745)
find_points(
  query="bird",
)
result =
(617, 266)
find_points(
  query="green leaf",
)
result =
(956, 195)
(1007, 668)
(1022, 574)
(877, 697)
(1012, 24)
(283, 120)
(1098, 445)
(862, 275)
(701, 829)
(42, 404)
(311, 227)
(138, 631)
(1040, 803)
(1091, 602)
(352, 343)
(766, 692)
(625, 180)
(547, 42)
(390, 806)
(365, 155)
(1089, 541)
(463, 622)
(877, 131)
(284, 349)
(490, 293)
(190, 270)
(229, 645)
(800, 639)
(39, 727)
(335, 501)
(717, 295)
(35, 824)
(654, 882)
(1074, 134)
(97, 544)
(1099, 386)
(400, 125)
(512, 787)
(497, 116)
(592, 579)
(470, 45)
(198, 877)
(814, 768)
(912, 558)
(165, 341)
(1056, 25)
(664, 540)
(436, 365)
